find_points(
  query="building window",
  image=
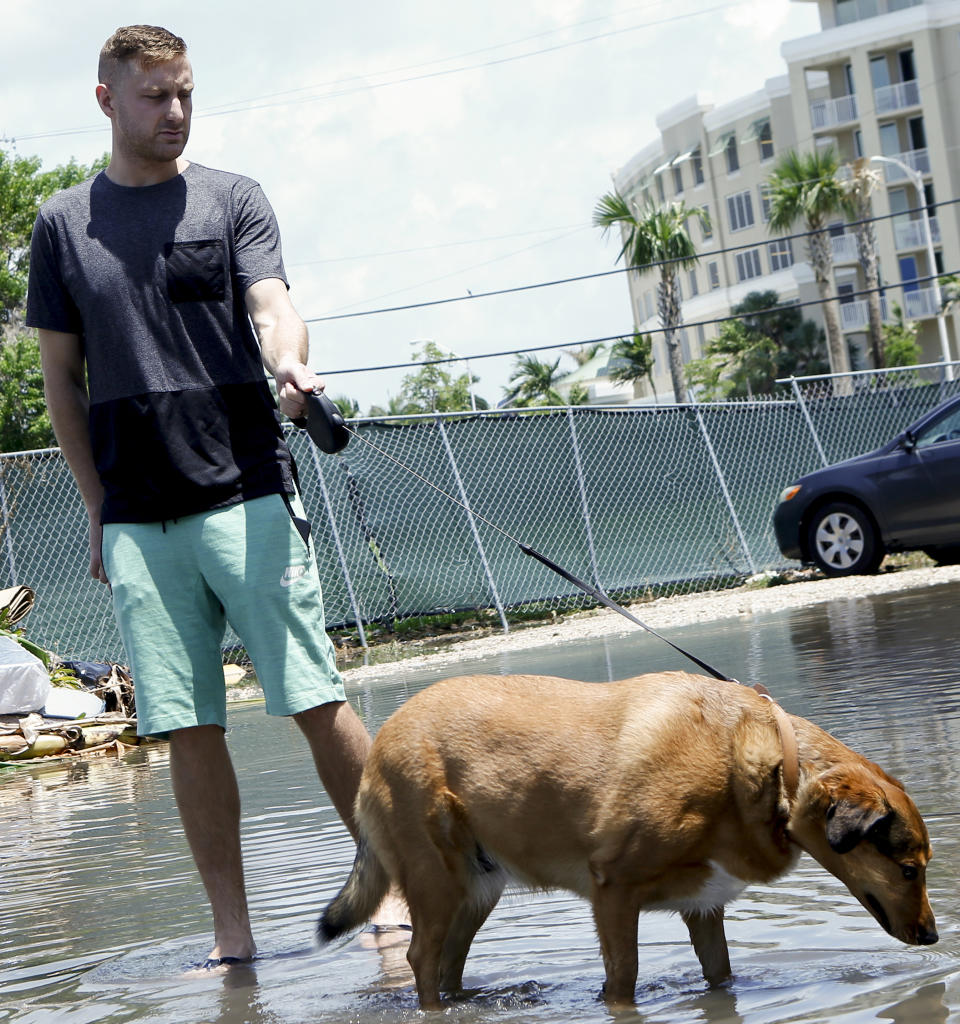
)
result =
(713, 273)
(748, 264)
(764, 192)
(660, 193)
(706, 225)
(678, 179)
(697, 161)
(740, 210)
(732, 157)
(694, 287)
(858, 144)
(780, 252)
(765, 140)
(648, 304)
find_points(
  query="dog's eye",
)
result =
(909, 872)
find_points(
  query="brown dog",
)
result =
(664, 792)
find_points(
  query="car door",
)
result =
(938, 452)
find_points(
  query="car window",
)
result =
(947, 428)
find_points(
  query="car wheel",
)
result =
(842, 540)
(949, 554)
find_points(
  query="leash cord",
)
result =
(594, 592)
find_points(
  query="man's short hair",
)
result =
(145, 44)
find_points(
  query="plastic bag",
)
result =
(24, 681)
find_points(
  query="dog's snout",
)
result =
(927, 937)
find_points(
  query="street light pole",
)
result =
(916, 179)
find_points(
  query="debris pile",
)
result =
(55, 707)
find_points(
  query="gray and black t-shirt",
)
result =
(182, 418)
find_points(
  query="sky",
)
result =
(416, 151)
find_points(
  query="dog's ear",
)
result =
(849, 822)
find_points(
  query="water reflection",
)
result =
(102, 911)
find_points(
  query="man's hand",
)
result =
(294, 383)
(96, 544)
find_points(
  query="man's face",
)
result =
(150, 108)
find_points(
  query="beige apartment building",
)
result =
(879, 82)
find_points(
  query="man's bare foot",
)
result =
(390, 924)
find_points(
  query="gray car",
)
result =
(903, 496)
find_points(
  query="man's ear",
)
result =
(105, 99)
(849, 821)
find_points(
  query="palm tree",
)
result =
(631, 360)
(658, 235)
(805, 187)
(860, 186)
(534, 383)
(582, 355)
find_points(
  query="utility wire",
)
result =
(753, 314)
(618, 270)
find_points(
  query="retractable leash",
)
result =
(327, 429)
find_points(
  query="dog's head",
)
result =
(859, 823)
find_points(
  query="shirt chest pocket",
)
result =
(196, 271)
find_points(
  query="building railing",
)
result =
(829, 113)
(910, 234)
(920, 304)
(918, 159)
(856, 10)
(889, 98)
(844, 248)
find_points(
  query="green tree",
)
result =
(533, 382)
(23, 187)
(900, 345)
(433, 388)
(349, 407)
(805, 187)
(631, 360)
(749, 354)
(658, 235)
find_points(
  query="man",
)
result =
(143, 285)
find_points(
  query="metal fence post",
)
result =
(723, 483)
(339, 546)
(8, 539)
(798, 394)
(581, 485)
(473, 526)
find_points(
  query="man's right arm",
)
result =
(68, 405)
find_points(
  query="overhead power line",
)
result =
(606, 273)
(754, 314)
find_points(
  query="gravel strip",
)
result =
(682, 610)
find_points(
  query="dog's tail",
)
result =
(359, 898)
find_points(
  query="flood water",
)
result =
(101, 911)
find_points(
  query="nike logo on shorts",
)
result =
(291, 574)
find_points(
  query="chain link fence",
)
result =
(423, 516)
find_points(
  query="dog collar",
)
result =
(788, 743)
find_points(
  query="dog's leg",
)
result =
(616, 910)
(710, 944)
(468, 921)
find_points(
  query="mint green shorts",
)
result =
(177, 584)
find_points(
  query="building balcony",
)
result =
(895, 97)
(910, 234)
(917, 159)
(826, 114)
(920, 304)
(844, 248)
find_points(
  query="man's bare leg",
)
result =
(340, 743)
(205, 788)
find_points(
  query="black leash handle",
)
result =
(604, 600)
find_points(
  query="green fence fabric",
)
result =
(624, 498)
